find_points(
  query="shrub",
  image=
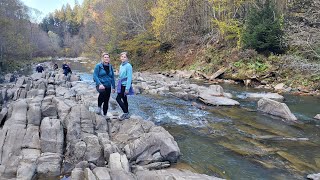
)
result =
(263, 29)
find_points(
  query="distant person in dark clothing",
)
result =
(39, 68)
(55, 66)
(66, 69)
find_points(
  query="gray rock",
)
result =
(275, 108)
(108, 146)
(51, 90)
(157, 140)
(94, 150)
(274, 96)
(82, 165)
(101, 173)
(172, 174)
(214, 95)
(77, 174)
(52, 137)
(19, 113)
(49, 110)
(80, 150)
(100, 124)
(115, 162)
(31, 139)
(49, 165)
(217, 101)
(21, 80)
(88, 175)
(34, 114)
(62, 107)
(36, 76)
(27, 165)
(11, 140)
(120, 175)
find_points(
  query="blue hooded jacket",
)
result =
(125, 72)
(100, 76)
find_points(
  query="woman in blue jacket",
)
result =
(103, 75)
(124, 87)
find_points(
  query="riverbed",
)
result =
(233, 142)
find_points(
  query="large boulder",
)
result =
(156, 145)
(275, 108)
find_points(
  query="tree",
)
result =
(263, 29)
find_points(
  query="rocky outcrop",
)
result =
(275, 108)
(49, 129)
(176, 86)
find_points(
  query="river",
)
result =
(234, 142)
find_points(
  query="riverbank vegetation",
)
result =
(266, 41)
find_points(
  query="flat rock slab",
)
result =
(172, 174)
(274, 96)
(217, 100)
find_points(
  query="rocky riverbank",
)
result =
(48, 129)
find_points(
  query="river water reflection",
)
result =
(234, 142)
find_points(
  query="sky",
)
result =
(47, 6)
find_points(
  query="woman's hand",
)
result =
(113, 90)
(101, 86)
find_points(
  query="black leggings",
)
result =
(104, 98)
(122, 100)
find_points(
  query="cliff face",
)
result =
(303, 26)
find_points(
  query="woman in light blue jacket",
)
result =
(124, 87)
(103, 75)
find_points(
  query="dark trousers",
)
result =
(122, 100)
(104, 98)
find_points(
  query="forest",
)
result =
(269, 41)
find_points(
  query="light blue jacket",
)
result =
(126, 72)
(100, 76)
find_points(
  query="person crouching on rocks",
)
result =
(103, 76)
(39, 68)
(124, 86)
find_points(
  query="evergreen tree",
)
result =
(263, 29)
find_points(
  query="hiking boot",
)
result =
(98, 110)
(124, 116)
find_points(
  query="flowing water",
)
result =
(234, 142)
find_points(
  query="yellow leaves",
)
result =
(166, 14)
(230, 29)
